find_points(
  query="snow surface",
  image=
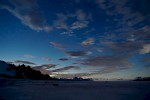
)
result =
(3, 69)
(64, 90)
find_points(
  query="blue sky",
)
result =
(102, 39)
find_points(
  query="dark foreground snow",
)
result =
(58, 90)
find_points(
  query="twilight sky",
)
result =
(103, 39)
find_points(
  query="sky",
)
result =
(100, 39)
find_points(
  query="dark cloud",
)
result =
(66, 68)
(63, 59)
(77, 53)
(24, 62)
(28, 12)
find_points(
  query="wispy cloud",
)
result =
(24, 62)
(45, 66)
(29, 13)
(79, 25)
(57, 45)
(66, 68)
(45, 69)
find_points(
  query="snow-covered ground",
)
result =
(4, 69)
(61, 90)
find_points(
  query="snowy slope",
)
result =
(4, 69)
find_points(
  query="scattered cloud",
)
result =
(127, 15)
(24, 62)
(79, 25)
(89, 41)
(80, 17)
(63, 59)
(77, 53)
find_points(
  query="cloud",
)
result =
(60, 75)
(45, 66)
(146, 49)
(61, 23)
(139, 45)
(24, 62)
(57, 45)
(28, 12)
(81, 15)
(66, 68)
(46, 58)
(81, 20)
(97, 72)
(29, 56)
(131, 13)
(84, 74)
(107, 61)
(146, 61)
(48, 28)
(141, 34)
(79, 25)
(77, 53)
(63, 59)
(89, 41)
(124, 48)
